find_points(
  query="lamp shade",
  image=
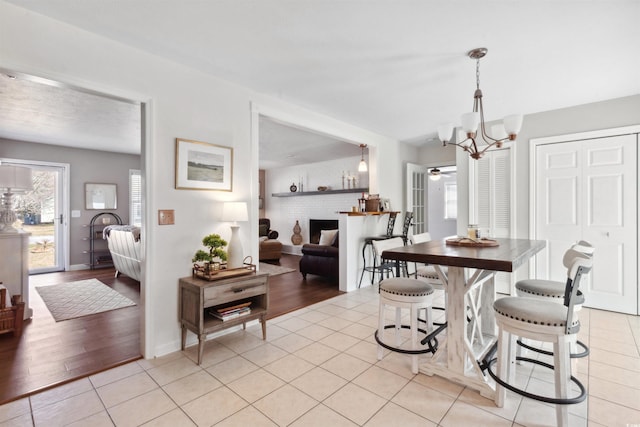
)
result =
(444, 132)
(235, 211)
(362, 166)
(16, 178)
(470, 122)
(513, 124)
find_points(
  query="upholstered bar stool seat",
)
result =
(547, 321)
(405, 293)
(554, 291)
(429, 273)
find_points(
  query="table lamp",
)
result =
(13, 180)
(234, 212)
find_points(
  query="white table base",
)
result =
(467, 342)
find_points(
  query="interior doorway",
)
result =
(123, 334)
(432, 195)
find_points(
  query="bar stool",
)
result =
(368, 243)
(406, 223)
(542, 321)
(427, 273)
(404, 293)
(554, 291)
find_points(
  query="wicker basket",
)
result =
(11, 318)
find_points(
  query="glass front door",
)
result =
(41, 213)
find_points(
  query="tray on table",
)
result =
(222, 273)
(475, 243)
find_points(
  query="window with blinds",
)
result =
(135, 197)
(450, 200)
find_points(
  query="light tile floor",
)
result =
(318, 367)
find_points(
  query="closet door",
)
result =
(492, 184)
(587, 190)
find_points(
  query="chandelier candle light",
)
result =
(473, 144)
(13, 179)
(234, 212)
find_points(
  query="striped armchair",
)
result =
(126, 250)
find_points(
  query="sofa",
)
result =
(126, 250)
(323, 258)
(270, 248)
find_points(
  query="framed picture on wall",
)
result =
(100, 196)
(203, 166)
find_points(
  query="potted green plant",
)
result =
(216, 253)
(210, 261)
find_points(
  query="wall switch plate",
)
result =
(166, 217)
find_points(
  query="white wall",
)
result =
(181, 103)
(284, 211)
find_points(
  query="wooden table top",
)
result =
(508, 256)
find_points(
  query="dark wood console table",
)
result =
(198, 296)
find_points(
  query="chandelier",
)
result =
(476, 142)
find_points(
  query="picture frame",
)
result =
(203, 166)
(99, 196)
(385, 204)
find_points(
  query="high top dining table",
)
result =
(469, 285)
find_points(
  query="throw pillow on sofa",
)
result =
(327, 237)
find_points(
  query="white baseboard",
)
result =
(78, 267)
(292, 249)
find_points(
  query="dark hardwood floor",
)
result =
(288, 292)
(50, 353)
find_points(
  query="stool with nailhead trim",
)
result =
(554, 291)
(544, 321)
(404, 293)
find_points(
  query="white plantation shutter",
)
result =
(493, 192)
(483, 196)
(501, 197)
(135, 197)
(492, 199)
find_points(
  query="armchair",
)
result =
(321, 259)
(270, 248)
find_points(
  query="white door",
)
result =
(491, 201)
(43, 213)
(587, 190)
(417, 196)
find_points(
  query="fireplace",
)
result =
(315, 225)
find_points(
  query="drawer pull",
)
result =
(237, 291)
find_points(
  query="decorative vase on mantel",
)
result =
(296, 238)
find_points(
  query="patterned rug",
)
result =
(81, 298)
(274, 270)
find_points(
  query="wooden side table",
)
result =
(197, 297)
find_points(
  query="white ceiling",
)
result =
(394, 67)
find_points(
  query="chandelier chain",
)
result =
(478, 73)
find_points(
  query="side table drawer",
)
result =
(216, 295)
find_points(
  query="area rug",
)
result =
(82, 298)
(274, 270)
